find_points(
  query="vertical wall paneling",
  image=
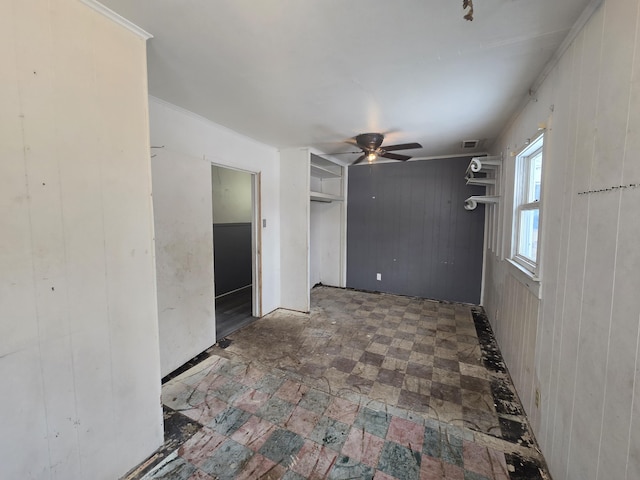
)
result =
(585, 344)
(232, 256)
(407, 222)
(518, 348)
(184, 256)
(616, 69)
(562, 351)
(79, 345)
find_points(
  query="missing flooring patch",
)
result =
(178, 428)
(491, 356)
(506, 401)
(515, 432)
(165, 463)
(524, 468)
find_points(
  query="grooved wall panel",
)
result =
(586, 338)
(79, 352)
(232, 256)
(184, 256)
(407, 222)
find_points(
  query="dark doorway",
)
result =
(233, 207)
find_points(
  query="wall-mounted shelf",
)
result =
(480, 181)
(472, 202)
(478, 164)
(489, 170)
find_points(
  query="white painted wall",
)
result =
(583, 352)
(79, 356)
(231, 192)
(201, 142)
(184, 256)
(295, 225)
(326, 242)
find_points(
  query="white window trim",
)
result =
(531, 269)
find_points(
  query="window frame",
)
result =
(521, 203)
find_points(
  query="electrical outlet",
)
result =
(378, 276)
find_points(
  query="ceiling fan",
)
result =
(371, 146)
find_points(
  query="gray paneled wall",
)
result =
(232, 256)
(407, 222)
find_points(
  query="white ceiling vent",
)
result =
(470, 144)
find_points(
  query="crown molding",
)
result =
(120, 20)
(571, 36)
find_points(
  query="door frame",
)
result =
(256, 244)
(256, 238)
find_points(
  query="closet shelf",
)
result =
(323, 197)
(321, 172)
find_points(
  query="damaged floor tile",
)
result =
(366, 386)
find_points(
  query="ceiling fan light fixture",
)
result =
(370, 145)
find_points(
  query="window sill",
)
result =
(525, 277)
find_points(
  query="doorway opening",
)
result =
(236, 241)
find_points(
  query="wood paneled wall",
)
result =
(588, 323)
(407, 222)
(79, 356)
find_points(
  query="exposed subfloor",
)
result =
(365, 386)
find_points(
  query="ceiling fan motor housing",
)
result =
(370, 141)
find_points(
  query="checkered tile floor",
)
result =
(366, 386)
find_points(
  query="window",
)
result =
(526, 220)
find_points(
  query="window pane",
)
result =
(535, 178)
(528, 234)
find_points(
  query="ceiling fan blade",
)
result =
(402, 146)
(345, 153)
(359, 159)
(395, 156)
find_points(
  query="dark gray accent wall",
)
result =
(407, 222)
(231, 256)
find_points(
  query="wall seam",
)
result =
(31, 242)
(633, 391)
(577, 60)
(633, 399)
(584, 265)
(593, 163)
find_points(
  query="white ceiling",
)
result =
(317, 72)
